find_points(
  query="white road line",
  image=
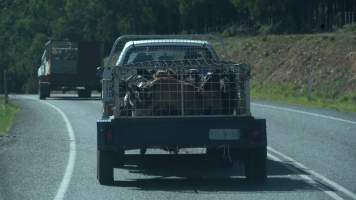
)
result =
(298, 165)
(305, 113)
(307, 178)
(72, 154)
(315, 174)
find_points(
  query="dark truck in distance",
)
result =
(168, 93)
(69, 66)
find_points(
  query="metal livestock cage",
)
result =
(163, 76)
(181, 88)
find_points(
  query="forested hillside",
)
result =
(25, 25)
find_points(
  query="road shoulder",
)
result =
(7, 116)
(35, 154)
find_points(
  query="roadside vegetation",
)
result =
(25, 25)
(7, 115)
(288, 95)
(284, 65)
(281, 39)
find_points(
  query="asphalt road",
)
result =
(51, 154)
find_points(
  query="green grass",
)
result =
(291, 95)
(7, 115)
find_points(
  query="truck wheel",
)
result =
(41, 94)
(43, 90)
(48, 92)
(80, 93)
(105, 168)
(84, 93)
(119, 158)
(87, 93)
(255, 165)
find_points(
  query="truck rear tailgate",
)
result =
(181, 131)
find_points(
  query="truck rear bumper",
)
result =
(69, 80)
(132, 133)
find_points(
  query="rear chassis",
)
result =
(114, 136)
(67, 82)
(183, 132)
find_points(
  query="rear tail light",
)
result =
(109, 137)
(255, 134)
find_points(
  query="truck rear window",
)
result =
(162, 53)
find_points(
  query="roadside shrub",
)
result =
(348, 28)
(266, 29)
(236, 30)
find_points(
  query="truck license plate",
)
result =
(224, 134)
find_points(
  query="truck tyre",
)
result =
(119, 157)
(105, 168)
(255, 165)
(43, 90)
(80, 93)
(86, 93)
(143, 150)
(41, 94)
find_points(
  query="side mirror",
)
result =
(99, 72)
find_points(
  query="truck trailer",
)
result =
(69, 66)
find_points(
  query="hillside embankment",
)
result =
(285, 66)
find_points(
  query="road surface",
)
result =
(50, 153)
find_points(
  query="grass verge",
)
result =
(7, 115)
(290, 95)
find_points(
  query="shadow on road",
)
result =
(74, 98)
(194, 174)
(278, 184)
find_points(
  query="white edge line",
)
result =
(62, 189)
(306, 178)
(305, 113)
(301, 166)
(322, 178)
(72, 154)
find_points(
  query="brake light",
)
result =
(255, 134)
(109, 137)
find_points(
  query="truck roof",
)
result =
(168, 42)
(164, 42)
